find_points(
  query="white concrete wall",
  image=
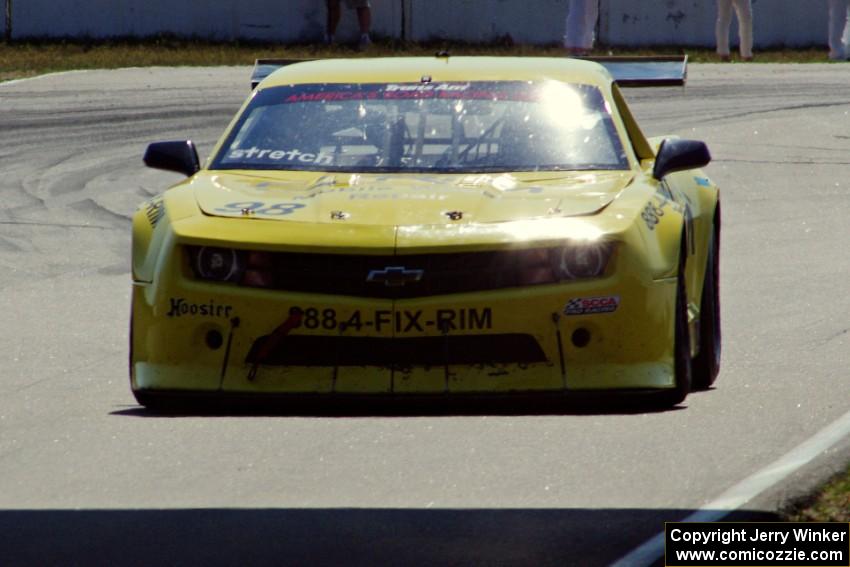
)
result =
(691, 22)
(622, 22)
(525, 21)
(277, 20)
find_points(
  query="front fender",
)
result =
(656, 225)
(152, 230)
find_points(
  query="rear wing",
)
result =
(265, 67)
(667, 71)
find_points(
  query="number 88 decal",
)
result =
(260, 208)
(652, 215)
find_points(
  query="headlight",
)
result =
(218, 264)
(572, 261)
(586, 260)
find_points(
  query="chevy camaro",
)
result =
(429, 227)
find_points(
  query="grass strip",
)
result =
(830, 504)
(19, 59)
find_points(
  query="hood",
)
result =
(407, 199)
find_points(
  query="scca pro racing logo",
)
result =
(592, 305)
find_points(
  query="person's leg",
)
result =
(364, 18)
(576, 18)
(837, 21)
(744, 9)
(721, 27)
(591, 11)
(333, 19)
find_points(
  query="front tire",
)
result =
(681, 346)
(706, 365)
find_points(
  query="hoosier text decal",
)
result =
(179, 307)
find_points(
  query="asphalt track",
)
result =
(87, 477)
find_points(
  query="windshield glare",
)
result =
(425, 127)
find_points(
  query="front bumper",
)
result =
(191, 336)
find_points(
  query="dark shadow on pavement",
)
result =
(508, 405)
(330, 536)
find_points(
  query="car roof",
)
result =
(440, 69)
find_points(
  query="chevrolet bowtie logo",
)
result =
(395, 276)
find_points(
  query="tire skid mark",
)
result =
(31, 183)
(97, 118)
(28, 143)
(69, 181)
(10, 244)
(117, 269)
(146, 193)
(17, 190)
(721, 118)
(14, 265)
(61, 185)
(38, 188)
(780, 163)
(57, 225)
(91, 208)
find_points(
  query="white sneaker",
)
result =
(365, 42)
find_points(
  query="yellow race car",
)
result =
(432, 227)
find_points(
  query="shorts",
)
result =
(354, 3)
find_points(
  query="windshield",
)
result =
(425, 127)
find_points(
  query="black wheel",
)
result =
(130, 352)
(706, 365)
(681, 347)
(146, 400)
(155, 402)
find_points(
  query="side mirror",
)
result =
(679, 155)
(181, 157)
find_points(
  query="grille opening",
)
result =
(306, 350)
(403, 277)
